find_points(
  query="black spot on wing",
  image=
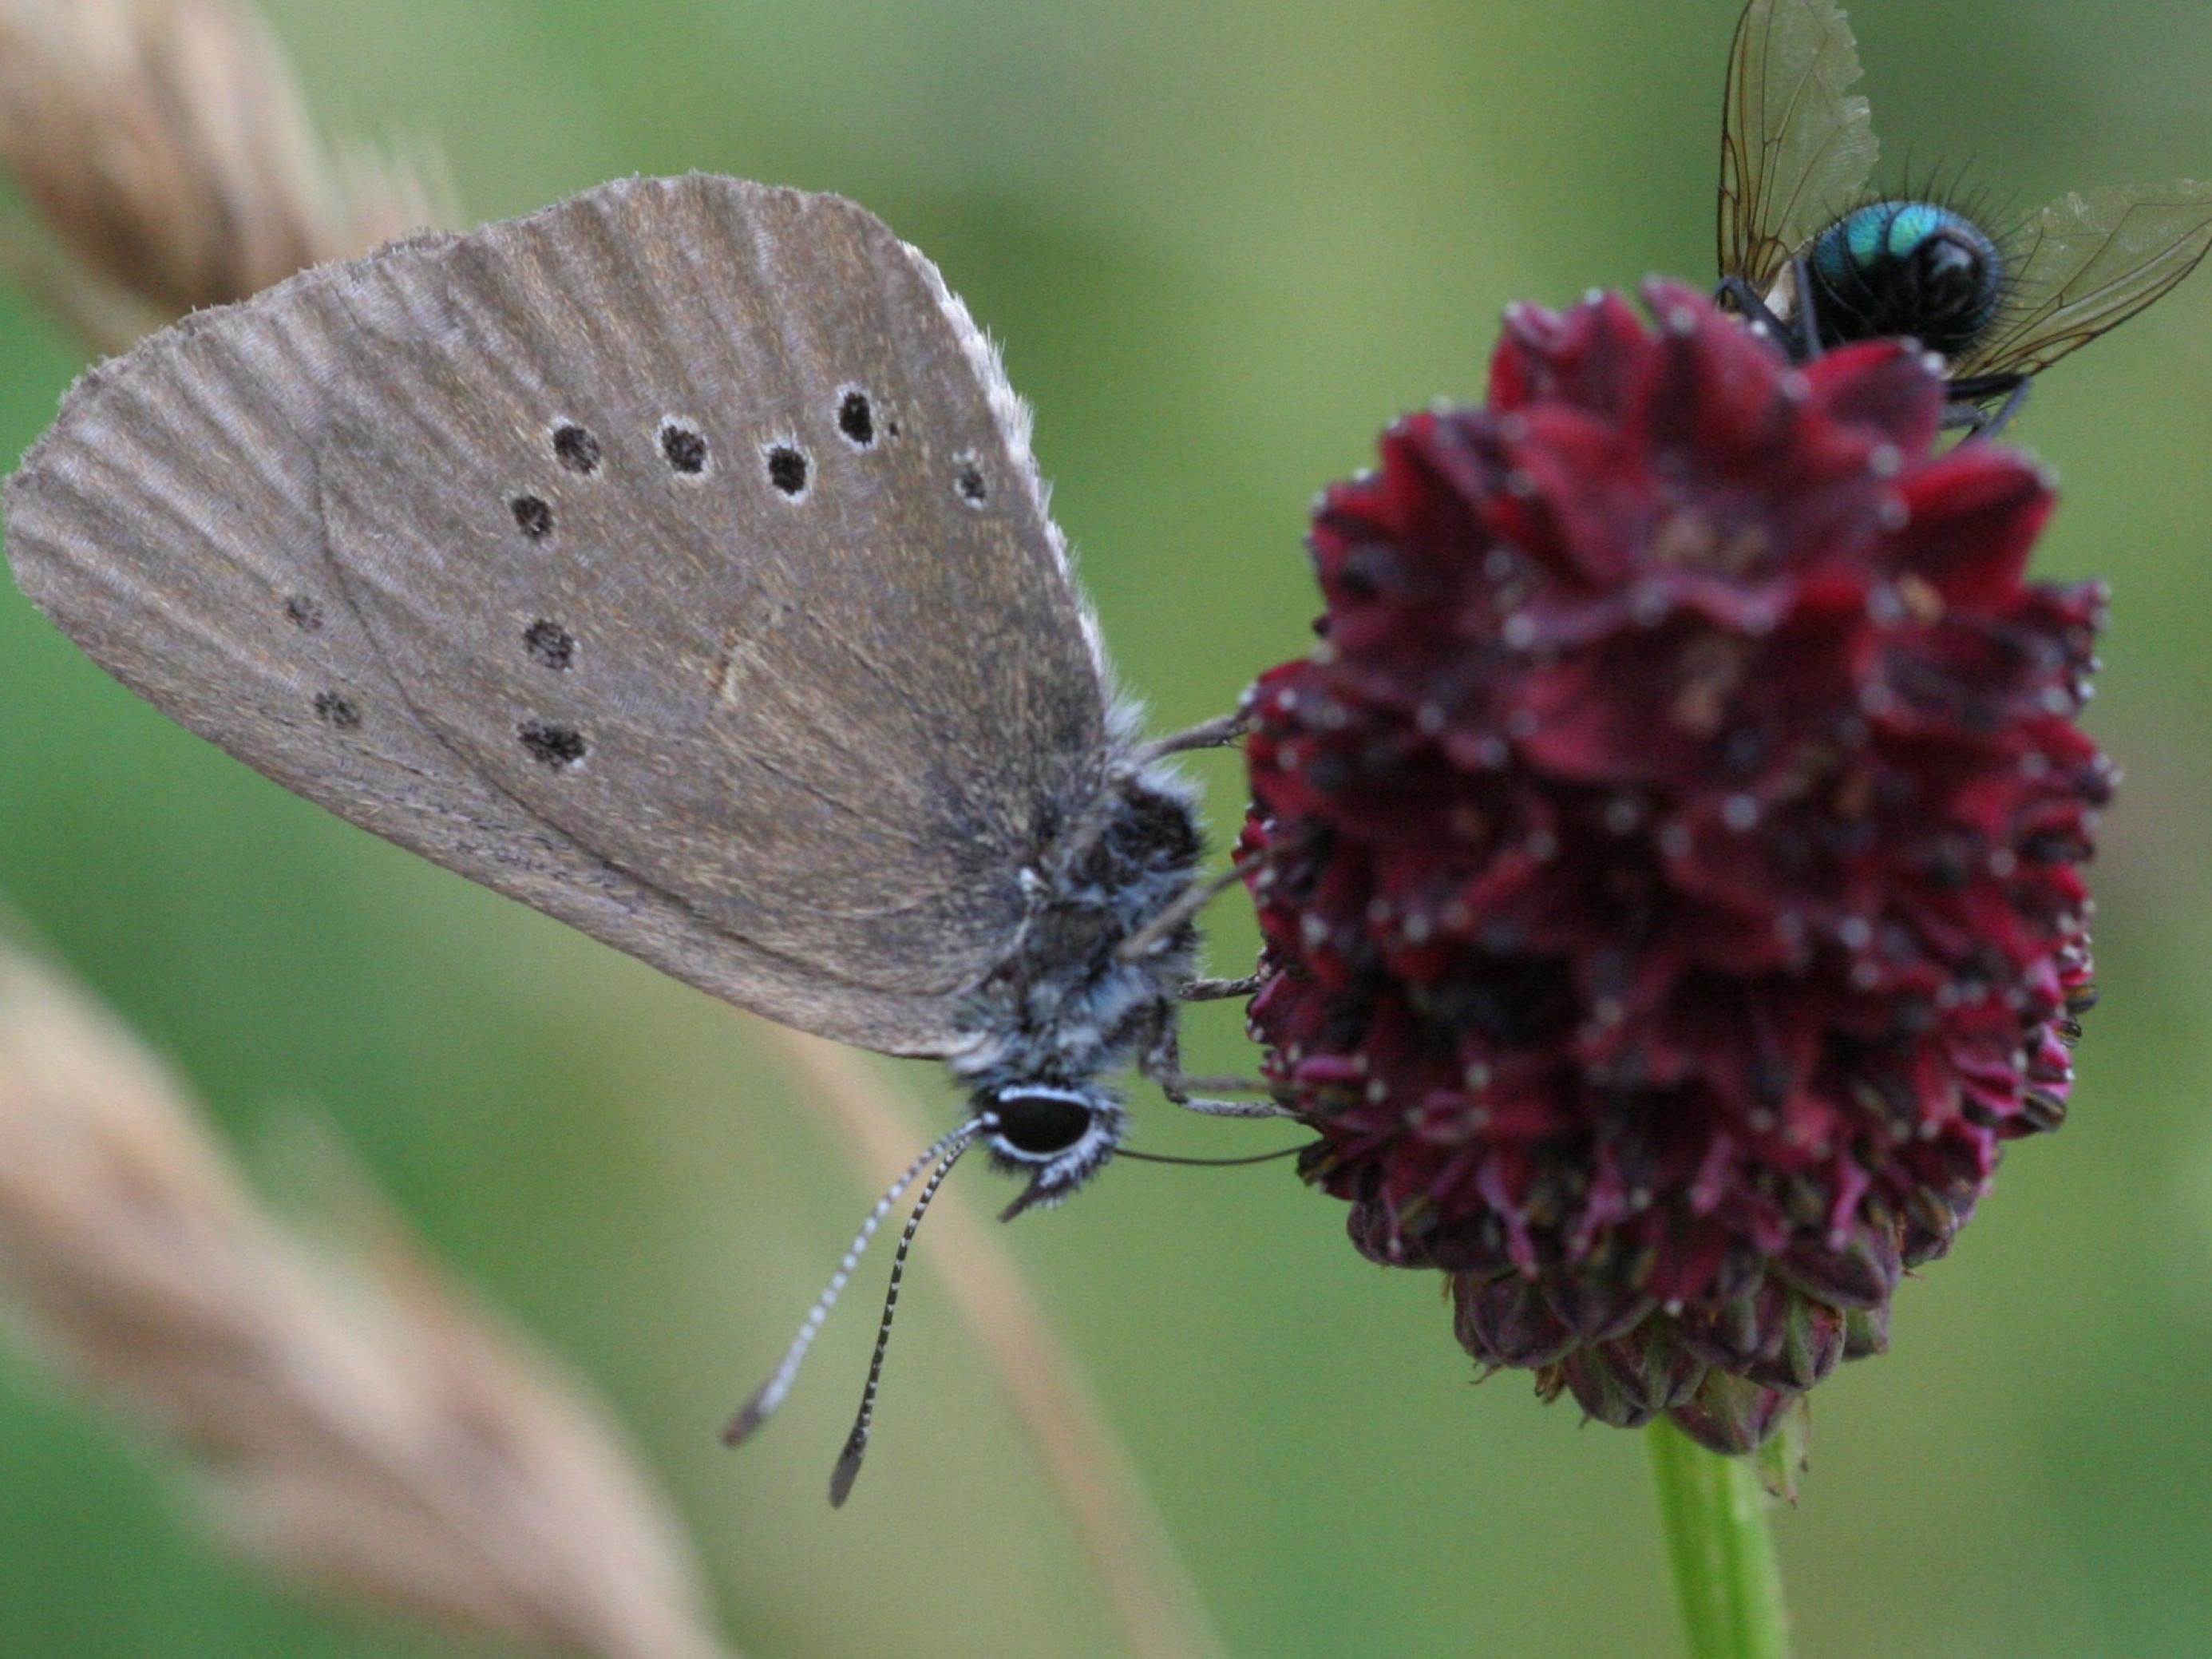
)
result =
(684, 448)
(558, 747)
(576, 448)
(533, 516)
(338, 711)
(549, 645)
(786, 470)
(856, 419)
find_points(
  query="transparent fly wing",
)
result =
(1795, 150)
(2085, 265)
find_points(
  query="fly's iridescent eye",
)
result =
(1042, 1124)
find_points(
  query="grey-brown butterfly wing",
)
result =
(698, 534)
(174, 523)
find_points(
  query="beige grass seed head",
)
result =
(166, 146)
(352, 1418)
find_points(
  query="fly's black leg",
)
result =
(1970, 398)
(1752, 307)
(1803, 315)
(2010, 407)
(1792, 335)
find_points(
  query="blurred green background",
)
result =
(1224, 243)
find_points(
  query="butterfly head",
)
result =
(1057, 1135)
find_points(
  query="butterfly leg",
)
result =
(1225, 1086)
(1207, 1107)
(1162, 1062)
(1202, 989)
(1179, 914)
(1216, 734)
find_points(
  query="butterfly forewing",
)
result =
(324, 528)
(824, 691)
(2085, 265)
(1796, 148)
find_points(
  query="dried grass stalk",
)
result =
(353, 1420)
(165, 145)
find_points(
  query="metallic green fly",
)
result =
(1812, 257)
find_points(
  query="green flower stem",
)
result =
(1726, 1582)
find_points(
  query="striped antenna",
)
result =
(770, 1394)
(856, 1443)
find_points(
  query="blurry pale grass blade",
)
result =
(352, 1418)
(165, 146)
(391, 191)
(101, 314)
(1123, 1537)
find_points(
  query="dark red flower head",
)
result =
(1668, 858)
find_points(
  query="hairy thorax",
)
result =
(1065, 1006)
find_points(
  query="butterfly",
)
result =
(674, 561)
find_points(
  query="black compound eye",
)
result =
(1042, 1124)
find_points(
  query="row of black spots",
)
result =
(577, 449)
(684, 447)
(787, 470)
(554, 746)
(856, 420)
